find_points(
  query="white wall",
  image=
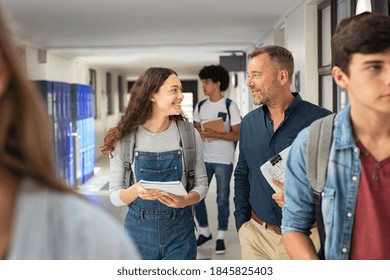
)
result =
(311, 53)
(56, 68)
(300, 37)
(295, 43)
(242, 95)
(104, 122)
(303, 46)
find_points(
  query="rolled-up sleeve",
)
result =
(298, 210)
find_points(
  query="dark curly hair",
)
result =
(217, 74)
(139, 109)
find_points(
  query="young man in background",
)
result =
(218, 147)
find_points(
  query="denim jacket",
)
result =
(340, 192)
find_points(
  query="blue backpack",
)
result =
(228, 101)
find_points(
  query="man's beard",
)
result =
(264, 99)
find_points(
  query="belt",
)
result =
(273, 228)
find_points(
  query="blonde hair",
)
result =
(26, 148)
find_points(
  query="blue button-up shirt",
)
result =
(340, 191)
(258, 143)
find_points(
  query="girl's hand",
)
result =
(172, 200)
(148, 194)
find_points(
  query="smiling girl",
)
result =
(161, 223)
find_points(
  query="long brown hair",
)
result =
(25, 142)
(139, 109)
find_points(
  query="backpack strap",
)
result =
(228, 101)
(187, 136)
(318, 150)
(200, 104)
(127, 147)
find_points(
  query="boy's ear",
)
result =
(339, 77)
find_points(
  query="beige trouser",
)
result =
(259, 243)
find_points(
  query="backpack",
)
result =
(317, 157)
(228, 101)
(187, 141)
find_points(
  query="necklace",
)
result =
(154, 130)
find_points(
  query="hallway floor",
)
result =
(96, 190)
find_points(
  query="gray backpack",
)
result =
(187, 136)
(318, 149)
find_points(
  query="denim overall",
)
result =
(161, 232)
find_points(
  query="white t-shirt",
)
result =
(218, 151)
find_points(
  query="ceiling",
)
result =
(130, 36)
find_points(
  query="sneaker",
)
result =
(220, 247)
(203, 239)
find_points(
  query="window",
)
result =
(121, 94)
(330, 13)
(109, 94)
(325, 31)
(92, 82)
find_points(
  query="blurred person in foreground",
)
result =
(355, 199)
(40, 217)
